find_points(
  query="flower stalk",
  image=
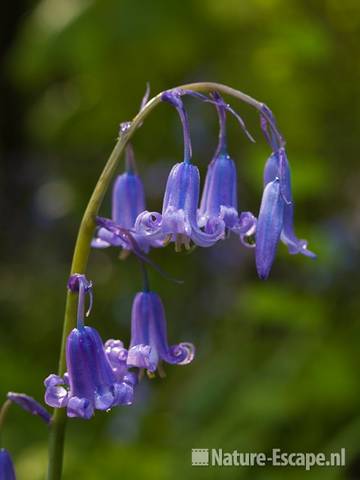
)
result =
(85, 236)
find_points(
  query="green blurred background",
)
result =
(277, 362)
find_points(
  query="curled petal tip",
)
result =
(183, 353)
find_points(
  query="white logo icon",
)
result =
(200, 457)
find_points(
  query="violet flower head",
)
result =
(277, 165)
(269, 226)
(90, 382)
(128, 201)
(30, 405)
(276, 215)
(219, 198)
(7, 471)
(149, 342)
(178, 220)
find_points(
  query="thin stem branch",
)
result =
(3, 412)
(145, 276)
(83, 246)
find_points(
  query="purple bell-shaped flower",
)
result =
(178, 221)
(269, 226)
(90, 382)
(277, 165)
(128, 201)
(219, 200)
(149, 342)
(7, 471)
(276, 215)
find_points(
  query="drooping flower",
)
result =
(149, 342)
(269, 226)
(276, 215)
(7, 471)
(30, 405)
(219, 199)
(178, 221)
(90, 381)
(278, 166)
(128, 201)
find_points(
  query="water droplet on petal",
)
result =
(124, 127)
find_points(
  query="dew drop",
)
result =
(124, 127)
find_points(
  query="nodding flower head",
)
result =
(219, 198)
(149, 342)
(277, 165)
(178, 221)
(91, 382)
(7, 471)
(269, 226)
(128, 201)
(30, 405)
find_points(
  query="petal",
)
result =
(215, 231)
(30, 405)
(104, 397)
(140, 356)
(289, 238)
(271, 169)
(182, 191)
(246, 224)
(124, 394)
(98, 243)
(7, 471)
(180, 354)
(269, 226)
(176, 222)
(105, 238)
(219, 197)
(128, 199)
(148, 226)
(115, 352)
(80, 407)
(229, 215)
(131, 378)
(278, 165)
(53, 380)
(56, 396)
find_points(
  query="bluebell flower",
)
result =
(128, 201)
(269, 226)
(7, 471)
(276, 217)
(219, 199)
(277, 165)
(30, 405)
(178, 221)
(90, 382)
(149, 342)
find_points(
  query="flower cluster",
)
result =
(102, 375)
(189, 216)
